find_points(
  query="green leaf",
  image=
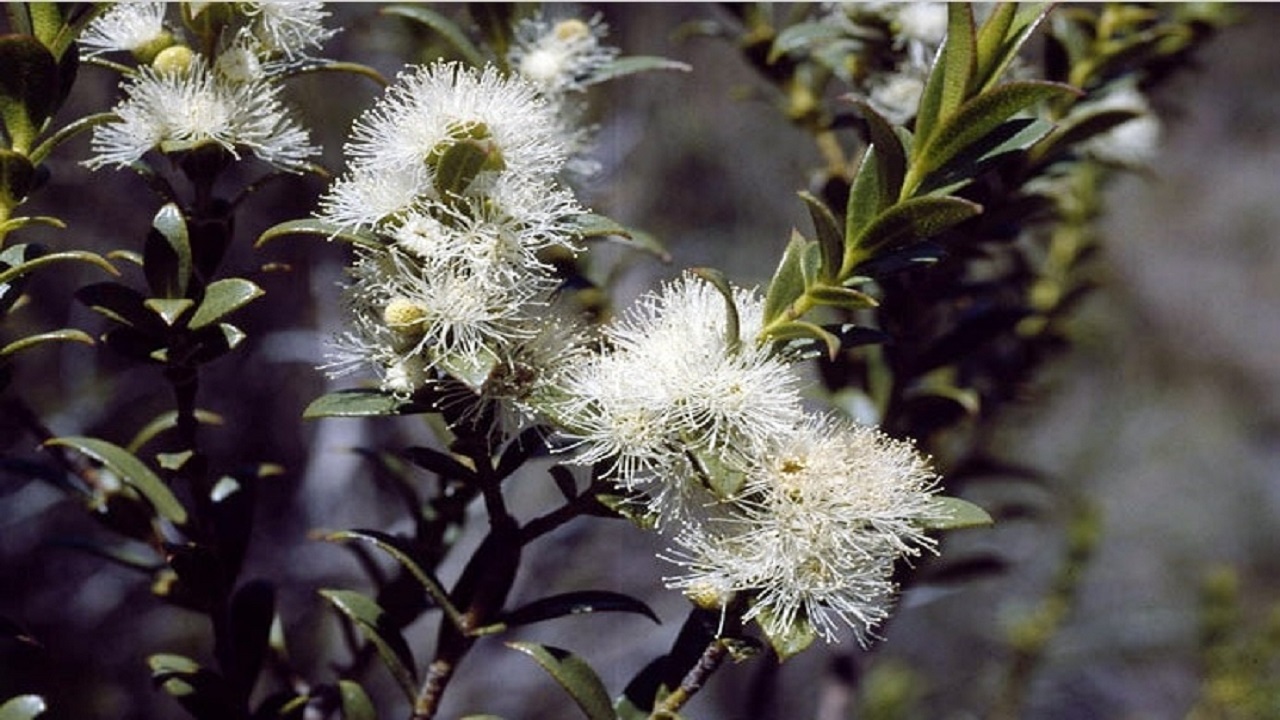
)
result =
(576, 603)
(377, 627)
(790, 641)
(360, 402)
(868, 196)
(66, 335)
(980, 116)
(17, 175)
(574, 675)
(443, 26)
(731, 325)
(28, 89)
(17, 223)
(803, 36)
(1078, 128)
(130, 469)
(120, 303)
(841, 297)
(1012, 136)
(167, 421)
(167, 259)
(633, 64)
(801, 330)
(959, 58)
(201, 692)
(327, 230)
(439, 463)
(459, 165)
(830, 237)
(223, 297)
(393, 547)
(787, 284)
(22, 707)
(169, 310)
(473, 369)
(891, 157)
(9, 274)
(589, 226)
(907, 222)
(952, 513)
(356, 704)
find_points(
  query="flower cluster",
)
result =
(181, 99)
(454, 174)
(803, 513)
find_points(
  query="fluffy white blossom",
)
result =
(176, 110)
(135, 27)
(675, 401)
(824, 514)
(560, 56)
(1133, 143)
(288, 27)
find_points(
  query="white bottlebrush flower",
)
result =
(135, 27)
(183, 109)
(431, 108)
(288, 28)
(675, 399)
(823, 516)
(560, 56)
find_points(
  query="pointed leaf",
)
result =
(443, 26)
(313, 226)
(66, 335)
(360, 402)
(167, 253)
(356, 704)
(891, 155)
(981, 115)
(800, 330)
(574, 675)
(392, 546)
(22, 707)
(786, 642)
(167, 421)
(787, 284)
(1011, 136)
(1077, 129)
(868, 196)
(169, 310)
(590, 226)
(634, 64)
(1010, 26)
(803, 36)
(28, 89)
(952, 513)
(718, 280)
(959, 57)
(841, 297)
(442, 464)
(8, 274)
(908, 222)
(120, 303)
(830, 237)
(576, 603)
(223, 297)
(130, 469)
(377, 627)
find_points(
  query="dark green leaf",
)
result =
(66, 335)
(8, 274)
(908, 222)
(223, 297)
(169, 310)
(22, 707)
(356, 704)
(167, 261)
(718, 280)
(252, 612)
(830, 237)
(443, 26)
(28, 89)
(803, 36)
(327, 230)
(867, 196)
(787, 284)
(1002, 36)
(800, 330)
(576, 603)
(634, 64)
(1012, 136)
(132, 471)
(120, 303)
(952, 513)
(841, 297)
(167, 421)
(891, 156)
(377, 627)
(980, 116)
(17, 223)
(574, 675)
(497, 23)
(200, 691)
(393, 546)
(360, 402)
(590, 226)
(1079, 128)
(459, 165)
(17, 175)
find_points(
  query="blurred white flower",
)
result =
(177, 110)
(288, 28)
(1133, 143)
(813, 537)
(560, 56)
(135, 27)
(897, 95)
(675, 399)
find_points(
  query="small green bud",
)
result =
(173, 59)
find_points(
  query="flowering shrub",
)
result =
(948, 240)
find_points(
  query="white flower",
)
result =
(897, 95)
(676, 400)
(136, 27)
(823, 516)
(180, 110)
(560, 56)
(435, 106)
(1133, 143)
(288, 28)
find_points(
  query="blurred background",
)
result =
(1165, 415)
